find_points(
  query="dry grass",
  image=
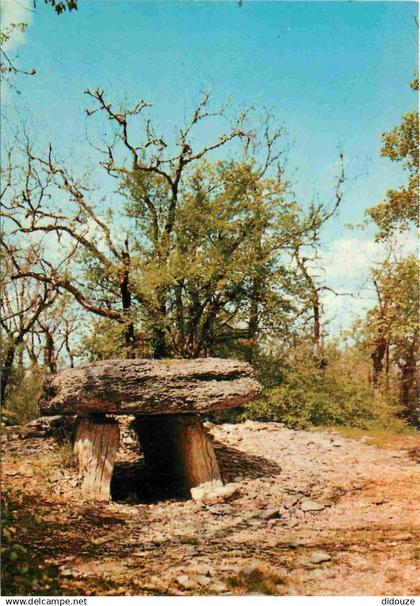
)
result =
(381, 438)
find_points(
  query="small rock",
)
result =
(253, 522)
(201, 579)
(159, 538)
(270, 514)
(213, 494)
(308, 505)
(218, 587)
(190, 551)
(318, 557)
(291, 500)
(220, 511)
(185, 582)
(293, 522)
(204, 570)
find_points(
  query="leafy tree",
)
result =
(36, 320)
(306, 256)
(22, 304)
(392, 330)
(193, 257)
(39, 330)
(392, 326)
(221, 265)
(400, 209)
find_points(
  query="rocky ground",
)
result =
(313, 513)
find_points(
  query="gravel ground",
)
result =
(313, 514)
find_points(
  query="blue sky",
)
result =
(335, 74)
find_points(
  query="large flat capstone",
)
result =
(142, 386)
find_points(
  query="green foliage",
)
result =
(200, 256)
(103, 341)
(391, 329)
(65, 451)
(21, 405)
(337, 394)
(414, 84)
(216, 258)
(400, 209)
(197, 283)
(21, 569)
(397, 312)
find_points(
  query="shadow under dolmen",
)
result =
(136, 482)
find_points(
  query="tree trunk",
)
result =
(377, 357)
(253, 323)
(178, 452)
(50, 356)
(69, 351)
(315, 303)
(256, 296)
(30, 349)
(6, 372)
(129, 335)
(96, 446)
(409, 386)
(317, 325)
(160, 349)
(159, 342)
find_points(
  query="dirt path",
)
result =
(314, 514)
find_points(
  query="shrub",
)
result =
(23, 393)
(22, 572)
(339, 393)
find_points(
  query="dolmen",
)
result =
(166, 397)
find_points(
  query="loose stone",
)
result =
(308, 505)
(318, 557)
